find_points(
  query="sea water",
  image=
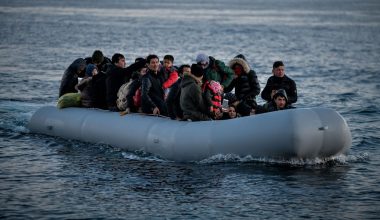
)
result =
(329, 47)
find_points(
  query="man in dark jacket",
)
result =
(174, 96)
(192, 101)
(102, 63)
(70, 77)
(246, 85)
(280, 81)
(152, 92)
(117, 75)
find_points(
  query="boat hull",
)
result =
(296, 133)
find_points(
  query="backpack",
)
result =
(121, 100)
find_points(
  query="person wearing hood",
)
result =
(279, 81)
(279, 102)
(86, 88)
(215, 70)
(246, 85)
(192, 101)
(70, 77)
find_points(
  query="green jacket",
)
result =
(218, 71)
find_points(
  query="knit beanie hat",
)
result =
(97, 57)
(202, 58)
(196, 70)
(89, 69)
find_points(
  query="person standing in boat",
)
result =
(174, 96)
(280, 81)
(152, 92)
(279, 102)
(192, 100)
(70, 77)
(246, 85)
(116, 76)
(215, 70)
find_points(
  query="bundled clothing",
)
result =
(192, 101)
(246, 86)
(276, 83)
(219, 72)
(170, 76)
(70, 77)
(152, 93)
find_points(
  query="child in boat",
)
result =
(169, 73)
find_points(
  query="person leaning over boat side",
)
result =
(215, 70)
(169, 72)
(117, 75)
(192, 100)
(279, 102)
(70, 77)
(174, 96)
(246, 85)
(152, 92)
(280, 81)
(86, 88)
(102, 63)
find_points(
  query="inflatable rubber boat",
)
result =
(305, 133)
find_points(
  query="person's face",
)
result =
(81, 68)
(280, 102)
(279, 71)
(186, 70)
(204, 65)
(154, 65)
(143, 71)
(238, 69)
(167, 63)
(121, 63)
(231, 112)
(94, 71)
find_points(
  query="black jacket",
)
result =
(275, 83)
(246, 86)
(116, 77)
(173, 100)
(152, 93)
(99, 94)
(70, 77)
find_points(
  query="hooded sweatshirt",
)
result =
(70, 77)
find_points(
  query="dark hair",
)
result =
(138, 59)
(277, 64)
(150, 57)
(97, 56)
(116, 57)
(196, 70)
(169, 57)
(180, 69)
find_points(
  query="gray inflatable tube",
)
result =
(297, 133)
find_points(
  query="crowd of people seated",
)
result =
(195, 92)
